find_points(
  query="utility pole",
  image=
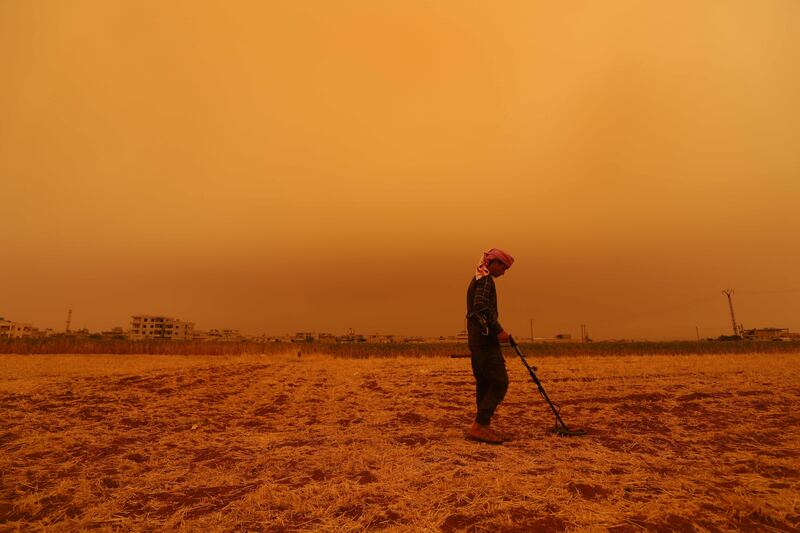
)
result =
(728, 293)
(697, 330)
(531, 329)
(69, 318)
(584, 334)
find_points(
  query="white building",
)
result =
(160, 327)
(14, 330)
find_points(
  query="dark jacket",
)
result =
(482, 324)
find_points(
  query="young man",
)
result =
(485, 335)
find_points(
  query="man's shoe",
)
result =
(484, 434)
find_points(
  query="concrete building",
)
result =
(379, 338)
(767, 334)
(114, 333)
(37, 333)
(14, 330)
(160, 327)
(304, 336)
(222, 335)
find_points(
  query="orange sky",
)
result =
(321, 165)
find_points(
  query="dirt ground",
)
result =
(313, 443)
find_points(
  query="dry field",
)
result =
(316, 443)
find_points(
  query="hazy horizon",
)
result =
(280, 167)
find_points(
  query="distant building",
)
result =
(351, 336)
(766, 334)
(14, 330)
(160, 327)
(327, 337)
(220, 335)
(380, 339)
(114, 333)
(304, 336)
(37, 333)
(198, 335)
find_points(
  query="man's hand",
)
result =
(503, 336)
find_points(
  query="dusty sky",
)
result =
(321, 165)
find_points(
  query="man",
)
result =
(485, 335)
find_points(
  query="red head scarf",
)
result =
(494, 253)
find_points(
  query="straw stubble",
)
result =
(320, 443)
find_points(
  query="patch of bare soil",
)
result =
(281, 443)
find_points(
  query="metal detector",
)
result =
(560, 427)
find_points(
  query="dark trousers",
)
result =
(491, 379)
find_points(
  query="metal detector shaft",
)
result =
(532, 372)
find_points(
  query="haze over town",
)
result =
(310, 167)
